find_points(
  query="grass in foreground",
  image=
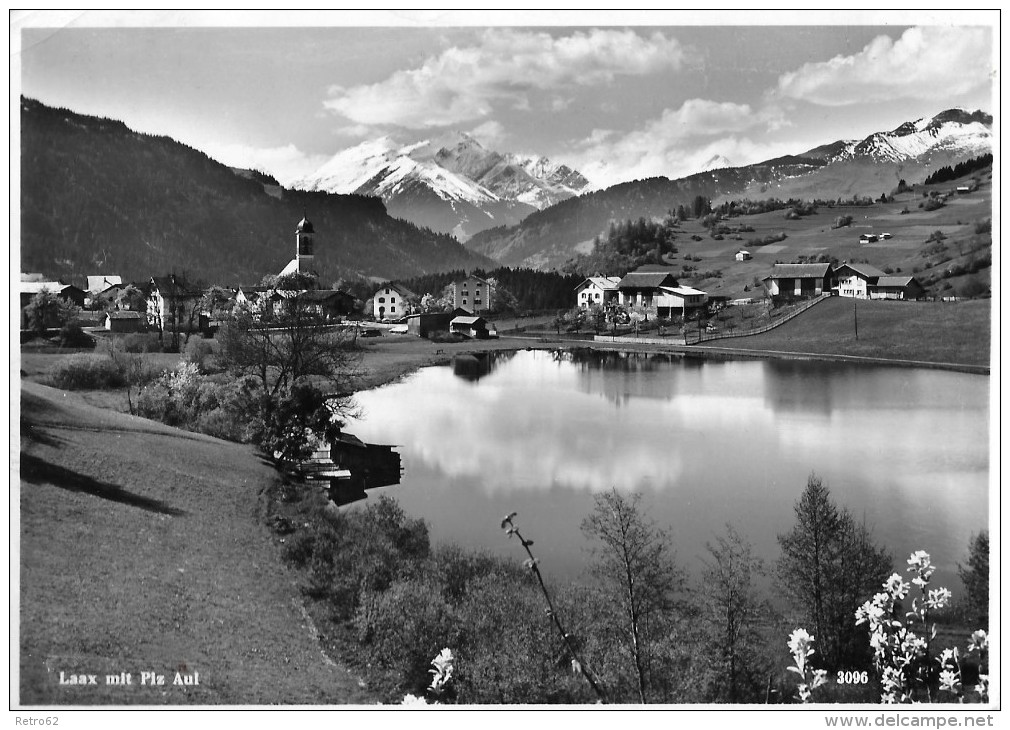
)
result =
(142, 550)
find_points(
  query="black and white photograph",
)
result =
(441, 361)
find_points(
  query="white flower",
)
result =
(947, 656)
(820, 677)
(918, 559)
(938, 598)
(799, 643)
(412, 700)
(979, 640)
(896, 586)
(950, 681)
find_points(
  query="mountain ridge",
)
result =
(472, 188)
(96, 194)
(844, 168)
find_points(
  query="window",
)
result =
(464, 301)
(387, 291)
(392, 300)
(382, 300)
(392, 309)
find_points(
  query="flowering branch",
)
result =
(578, 666)
(799, 646)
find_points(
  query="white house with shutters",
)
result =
(390, 301)
(597, 290)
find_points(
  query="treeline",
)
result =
(948, 173)
(628, 245)
(520, 289)
(98, 197)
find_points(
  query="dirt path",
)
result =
(141, 550)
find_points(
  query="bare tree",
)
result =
(730, 610)
(635, 564)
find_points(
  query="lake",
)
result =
(707, 442)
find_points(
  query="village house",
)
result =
(742, 255)
(67, 292)
(475, 327)
(100, 282)
(328, 303)
(798, 280)
(676, 300)
(472, 294)
(641, 288)
(261, 301)
(125, 321)
(856, 280)
(897, 287)
(597, 290)
(868, 238)
(173, 303)
(390, 301)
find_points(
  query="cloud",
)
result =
(285, 163)
(463, 84)
(678, 143)
(929, 62)
(489, 133)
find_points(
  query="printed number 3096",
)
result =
(853, 678)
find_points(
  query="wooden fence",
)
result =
(704, 337)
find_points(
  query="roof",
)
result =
(467, 320)
(603, 282)
(684, 291)
(304, 226)
(896, 280)
(321, 295)
(34, 287)
(399, 287)
(468, 278)
(100, 282)
(125, 314)
(647, 280)
(174, 285)
(864, 270)
(799, 271)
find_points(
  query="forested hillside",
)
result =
(97, 197)
(550, 237)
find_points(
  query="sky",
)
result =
(615, 95)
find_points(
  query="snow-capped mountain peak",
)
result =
(454, 168)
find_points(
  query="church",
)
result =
(302, 262)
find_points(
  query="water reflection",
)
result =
(473, 366)
(709, 442)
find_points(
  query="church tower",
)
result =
(304, 234)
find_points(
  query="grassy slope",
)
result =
(813, 236)
(927, 331)
(141, 550)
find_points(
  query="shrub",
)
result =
(71, 335)
(86, 372)
(446, 337)
(404, 626)
(141, 342)
(199, 352)
(932, 204)
(842, 221)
